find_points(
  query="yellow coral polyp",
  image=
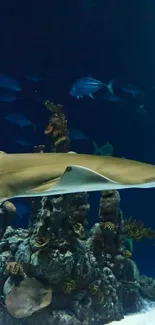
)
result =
(69, 286)
(96, 291)
(101, 298)
(79, 230)
(93, 289)
(127, 254)
(108, 225)
(41, 242)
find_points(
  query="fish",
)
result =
(76, 134)
(38, 175)
(10, 83)
(132, 90)
(23, 141)
(33, 77)
(20, 120)
(87, 86)
(110, 87)
(106, 150)
(141, 110)
(113, 98)
(88, 4)
(7, 96)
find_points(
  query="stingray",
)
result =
(29, 297)
(37, 175)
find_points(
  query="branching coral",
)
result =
(106, 234)
(57, 128)
(136, 230)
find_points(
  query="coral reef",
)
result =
(7, 212)
(82, 276)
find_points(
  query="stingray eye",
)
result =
(68, 169)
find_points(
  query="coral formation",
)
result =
(28, 297)
(83, 276)
(136, 230)
(57, 128)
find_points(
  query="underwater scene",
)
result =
(77, 162)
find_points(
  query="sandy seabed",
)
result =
(146, 317)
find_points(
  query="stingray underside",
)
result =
(78, 179)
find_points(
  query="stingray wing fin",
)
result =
(81, 179)
(75, 179)
(78, 179)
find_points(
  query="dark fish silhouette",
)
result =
(10, 83)
(19, 119)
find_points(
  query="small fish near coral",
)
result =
(106, 150)
(77, 135)
(87, 86)
(22, 140)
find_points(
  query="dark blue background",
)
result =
(64, 40)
